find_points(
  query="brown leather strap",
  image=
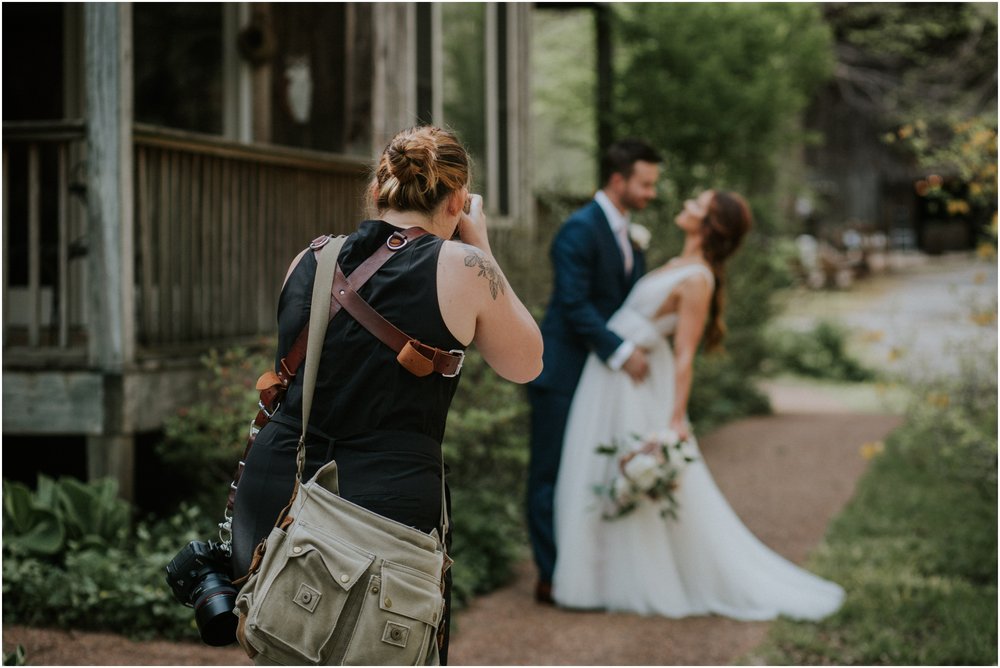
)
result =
(291, 362)
(420, 359)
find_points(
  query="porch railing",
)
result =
(216, 224)
(44, 228)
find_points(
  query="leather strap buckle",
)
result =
(396, 241)
(461, 360)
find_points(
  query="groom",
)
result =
(595, 265)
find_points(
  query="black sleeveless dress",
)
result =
(381, 423)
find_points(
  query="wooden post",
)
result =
(394, 86)
(111, 340)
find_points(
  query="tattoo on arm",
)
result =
(475, 258)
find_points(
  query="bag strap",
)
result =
(273, 385)
(323, 287)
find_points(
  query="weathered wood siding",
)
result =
(217, 224)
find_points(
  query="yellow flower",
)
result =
(895, 353)
(957, 207)
(984, 318)
(985, 251)
(872, 449)
(938, 399)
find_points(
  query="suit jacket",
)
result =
(590, 285)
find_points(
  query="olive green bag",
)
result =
(338, 584)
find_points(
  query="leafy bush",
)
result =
(486, 448)
(821, 353)
(718, 86)
(917, 545)
(46, 522)
(204, 441)
(95, 583)
(15, 657)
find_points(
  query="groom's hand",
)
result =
(637, 366)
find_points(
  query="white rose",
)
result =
(667, 437)
(622, 490)
(643, 471)
(640, 235)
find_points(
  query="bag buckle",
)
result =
(263, 408)
(461, 361)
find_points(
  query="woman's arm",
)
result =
(478, 304)
(695, 294)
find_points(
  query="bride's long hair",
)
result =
(726, 223)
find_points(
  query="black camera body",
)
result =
(199, 576)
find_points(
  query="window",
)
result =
(178, 65)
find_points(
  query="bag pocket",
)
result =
(301, 603)
(399, 618)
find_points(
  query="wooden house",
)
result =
(162, 162)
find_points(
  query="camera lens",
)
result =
(213, 610)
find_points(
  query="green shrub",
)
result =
(916, 549)
(15, 657)
(204, 441)
(117, 587)
(486, 449)
(62, 513)
(821, 353)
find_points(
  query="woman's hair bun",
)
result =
(418, 169)
(413, 162)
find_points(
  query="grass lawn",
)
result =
(916, 549)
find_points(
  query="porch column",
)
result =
(111, 340)
(394, 83)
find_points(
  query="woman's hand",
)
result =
(681, 427)
(472, 226)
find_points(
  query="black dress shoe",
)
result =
(543, 593)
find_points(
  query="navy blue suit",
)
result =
(590, 285)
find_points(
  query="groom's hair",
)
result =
(620, 157)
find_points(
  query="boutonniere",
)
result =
(640, 236)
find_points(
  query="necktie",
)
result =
(626, 248)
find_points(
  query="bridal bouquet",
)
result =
(648, 468)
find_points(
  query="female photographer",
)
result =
(381, 423)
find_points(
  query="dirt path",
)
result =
(786, 476)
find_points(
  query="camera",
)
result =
(199, 577)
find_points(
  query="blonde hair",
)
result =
(418, 169)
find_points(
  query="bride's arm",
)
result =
(695, 295)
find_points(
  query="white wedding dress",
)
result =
(706, 560)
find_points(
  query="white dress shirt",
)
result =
(618, 221)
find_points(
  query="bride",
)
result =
(704, 561)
